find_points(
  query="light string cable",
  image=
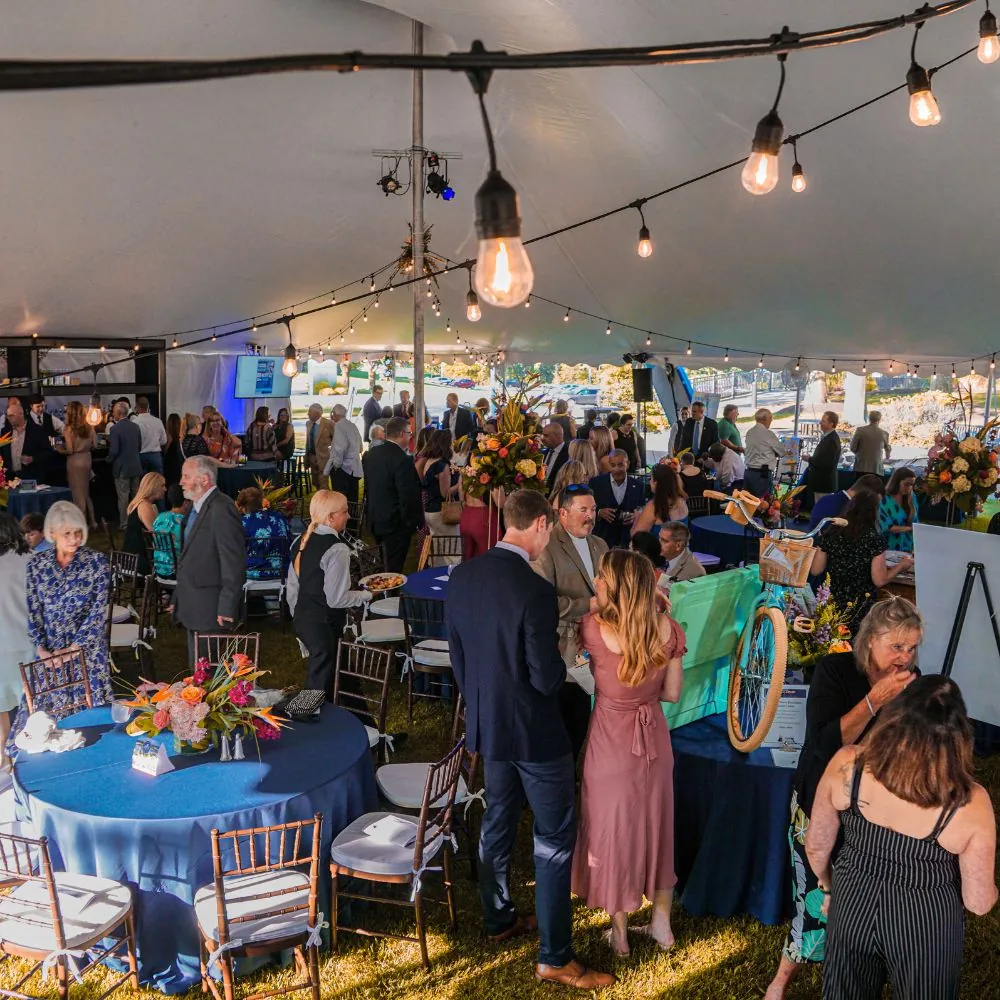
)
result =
(42, 74)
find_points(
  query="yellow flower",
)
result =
(527, 467)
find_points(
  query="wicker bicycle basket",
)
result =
(785, 561)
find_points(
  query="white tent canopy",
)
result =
(139, 211)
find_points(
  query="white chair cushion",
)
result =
(432, 653)
(124, 635)
(354, 849)
(264, 586)
(268, 925)
(90, 906)
(383, 630)
(403, 785)
(387, 608)
(120, 614)
(166, 581)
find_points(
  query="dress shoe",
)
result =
(574, 974)
(520, 927)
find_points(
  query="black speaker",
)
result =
(642, 385)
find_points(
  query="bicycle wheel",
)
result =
(755, 679)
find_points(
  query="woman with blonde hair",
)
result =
(142, 512)
(318, 586)
(78, 437)
(192, 443)
(572, 473)
(625, 840)
(583, 452)
(224, 447)
(603, 444)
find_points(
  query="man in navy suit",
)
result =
(502, 621)
(618, 496)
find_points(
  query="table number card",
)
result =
(151, 757)
(789, 727)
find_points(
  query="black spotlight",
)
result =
(439, 186)
(389, 184)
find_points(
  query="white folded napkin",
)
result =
(41, 733)
(391, 831)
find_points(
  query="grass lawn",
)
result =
(723, 959)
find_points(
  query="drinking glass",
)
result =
(120, 712)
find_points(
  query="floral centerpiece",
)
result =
(198, 709)
(778, 507)
(511, 459)
(275, 498)
(962, 473)
(814, 631)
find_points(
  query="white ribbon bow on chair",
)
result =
(315, 939)
(480, 797)
(425, 867)
(407, 664)
(213, 958)
(71, 956)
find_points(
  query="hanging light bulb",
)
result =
(953, 372)
(527, 302)
(290, 366)
(607, 332)
(376, 302)
(726, 358)
(798, 177)
(447, 326)
(923, 107)
(989, 44)
(566, 317)
(644, 248)
(798, 363)
(253, 324)
(993, 363)
(173, 342)
(104, 348)
(688, 348)
(94, 413)
(213, 334)
(760, 364)
(333, 298)
(892, 364)
(833, 367)
(760, 172)
(972, 367)
(864, 367)
(351, 329)
(472, 311)
(649, 340)
(371, 286)
(504, 275)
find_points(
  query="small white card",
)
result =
(786, 757)
(789, 726)
(151, 757)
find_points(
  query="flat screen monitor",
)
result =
(260, 377)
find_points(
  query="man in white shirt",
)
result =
(763, 452)
(344, 464)
(728, 464)
(154, 437)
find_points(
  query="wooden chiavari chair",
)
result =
(216, 647)
(361, 685)
(57, 684)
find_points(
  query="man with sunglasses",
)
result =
(569, 563)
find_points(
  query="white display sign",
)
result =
(788, 730)
(151, 757)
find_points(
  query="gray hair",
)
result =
(677, 530)
(205, 466)
(617, 453)
(63, 516)
(339, 411)
(762, 414)
(731, 408)
(874, 416)
(377, 432)
(885, 616)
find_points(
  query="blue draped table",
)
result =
(719, 535)
(241, 477)
(426, 584)
(731, 814)
(21, 502)
(103, 818)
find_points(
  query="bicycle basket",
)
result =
(785, 562)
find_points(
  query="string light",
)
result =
(760, 364)
(527, 302)
(649, 340)
(688, 348)
(447, 326)
(333, 298)
(371, 286)
(290, 366)
(864, 367)
(989, 45)
(833, 367)
(174, 342)
(798, 363)
(607, 332)
(566, 317)
(253, 325)
(364, 317)
(472, 311)
(972, 367)
(924, 108)
(798, 174)
(993, 363)
(62, 347)
(760, 172)
(892, 364)
(351, 331)
(727, 355)
(376, 302)
(954, 373)
(213, 335)
(104, 348)
(644, 248)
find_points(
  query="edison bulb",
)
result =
(645, 246)
(924, 108)
(94, 414)
(798, 179)
(473, 313)
(290, 367)
(504, 276)
(989, 49)
(760, 172)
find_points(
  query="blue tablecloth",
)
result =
(427, 584)
(730, 826)
(718, 535)
(103, 818)
(21, 502)
(240, 477)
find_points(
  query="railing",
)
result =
(727, 385)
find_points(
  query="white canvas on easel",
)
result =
(942, 558)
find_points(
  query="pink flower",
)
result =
(264, 731)
(161, 719)
(202, 672)
(519, 478)
(239, 695)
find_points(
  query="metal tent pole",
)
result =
(417, 193)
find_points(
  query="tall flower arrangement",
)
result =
(814, 631)
(963, 472)
(511, 459)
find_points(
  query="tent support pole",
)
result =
(417, 193)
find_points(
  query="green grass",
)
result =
(714, 959)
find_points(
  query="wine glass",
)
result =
(120, 712)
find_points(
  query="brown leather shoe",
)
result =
(520, 927)
(574, 974)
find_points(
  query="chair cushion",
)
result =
(268, 925)
(124, 635)
(432, 653)
(383, 630)
(387, 608)
(264, 586)
(403, 785)
(352, 848)
(91, 906)
(120, 614)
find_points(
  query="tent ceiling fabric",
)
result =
(140, 211)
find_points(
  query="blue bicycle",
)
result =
(758, 667)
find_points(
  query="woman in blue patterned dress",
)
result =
(268, 537)
(897, 513)
(68, 589)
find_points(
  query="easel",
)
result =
(972, 571)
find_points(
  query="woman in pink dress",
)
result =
(625, 840)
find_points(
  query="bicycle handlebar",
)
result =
(739, 499)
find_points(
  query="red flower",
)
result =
(503, 453)
(264, 731)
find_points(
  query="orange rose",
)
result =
(840, 646)
(944, 476)
(484, 479)
(492, 443)
(192, 695)
(541, 474)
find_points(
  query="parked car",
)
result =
(436, 380)
(463, 383)
(587, 396)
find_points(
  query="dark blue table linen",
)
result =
(719, 535)
(241, 477)
(21, 502)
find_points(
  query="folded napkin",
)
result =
(41, 733)
(391, 831)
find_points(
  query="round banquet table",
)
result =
(241, 477)
(430, 584)
(731, 813)
(104, 818)
(21, 502)
(719, 535)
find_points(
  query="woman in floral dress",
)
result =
(68, 589)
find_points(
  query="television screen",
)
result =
(260, 377)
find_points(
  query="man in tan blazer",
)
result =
(569, 563)
(319, 438)
(869, 444)
(681, 563)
